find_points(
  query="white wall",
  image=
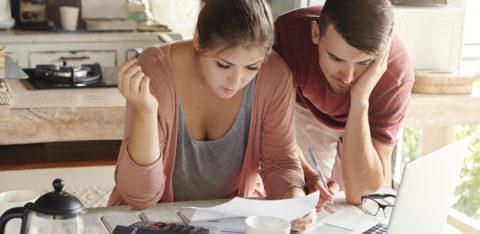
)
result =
(457, 3)
(179, 15)
(316, 2)
(281, 6)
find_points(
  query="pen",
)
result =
(320, 174)
(315, 162)
(183, 218)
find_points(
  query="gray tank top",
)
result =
(210, 169)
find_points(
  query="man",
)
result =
(353, 77)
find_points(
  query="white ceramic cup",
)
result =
(15, 198)
(266, 225)
(69, 17)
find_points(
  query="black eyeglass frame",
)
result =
(375, 196)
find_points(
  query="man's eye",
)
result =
(253, 68)
(223, 66)
(334, 58)
(366, 63)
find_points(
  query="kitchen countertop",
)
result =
(61, 114)
(20, 36)
(431, 110)
(98, 113)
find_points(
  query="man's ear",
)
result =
(196, 43)
(392, 30)
(315, 32)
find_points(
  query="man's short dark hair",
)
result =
(364, 24)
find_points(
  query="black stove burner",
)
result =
(51, 76)
(86, 74)
(72, 73)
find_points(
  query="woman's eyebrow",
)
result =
(230, 63)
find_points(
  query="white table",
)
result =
(104, 220)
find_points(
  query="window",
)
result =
(465, 215)
(467, 203)
(468, 199)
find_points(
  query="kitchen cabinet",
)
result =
(110, 49)
(433, 35)
(37, 116)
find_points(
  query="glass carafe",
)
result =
(56, 212)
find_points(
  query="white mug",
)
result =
(15, 198)
(266, 225)
(69, 17)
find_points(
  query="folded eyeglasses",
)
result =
(372, 203)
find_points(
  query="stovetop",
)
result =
(107, 79)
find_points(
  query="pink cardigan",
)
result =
(270, 151)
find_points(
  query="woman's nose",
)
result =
(236, 77)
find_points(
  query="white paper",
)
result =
(332, 229)
(229, 217)
(287, 209)
(235, 225)
(345, 219)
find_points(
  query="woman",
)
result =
(205, 117)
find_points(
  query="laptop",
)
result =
(427, 190)
(423, 200)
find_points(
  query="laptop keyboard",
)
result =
(379, 228)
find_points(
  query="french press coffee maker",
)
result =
(54, 212)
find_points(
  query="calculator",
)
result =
(159, 228)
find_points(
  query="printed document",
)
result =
(229, 217)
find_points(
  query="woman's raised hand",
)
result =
(135, 86)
